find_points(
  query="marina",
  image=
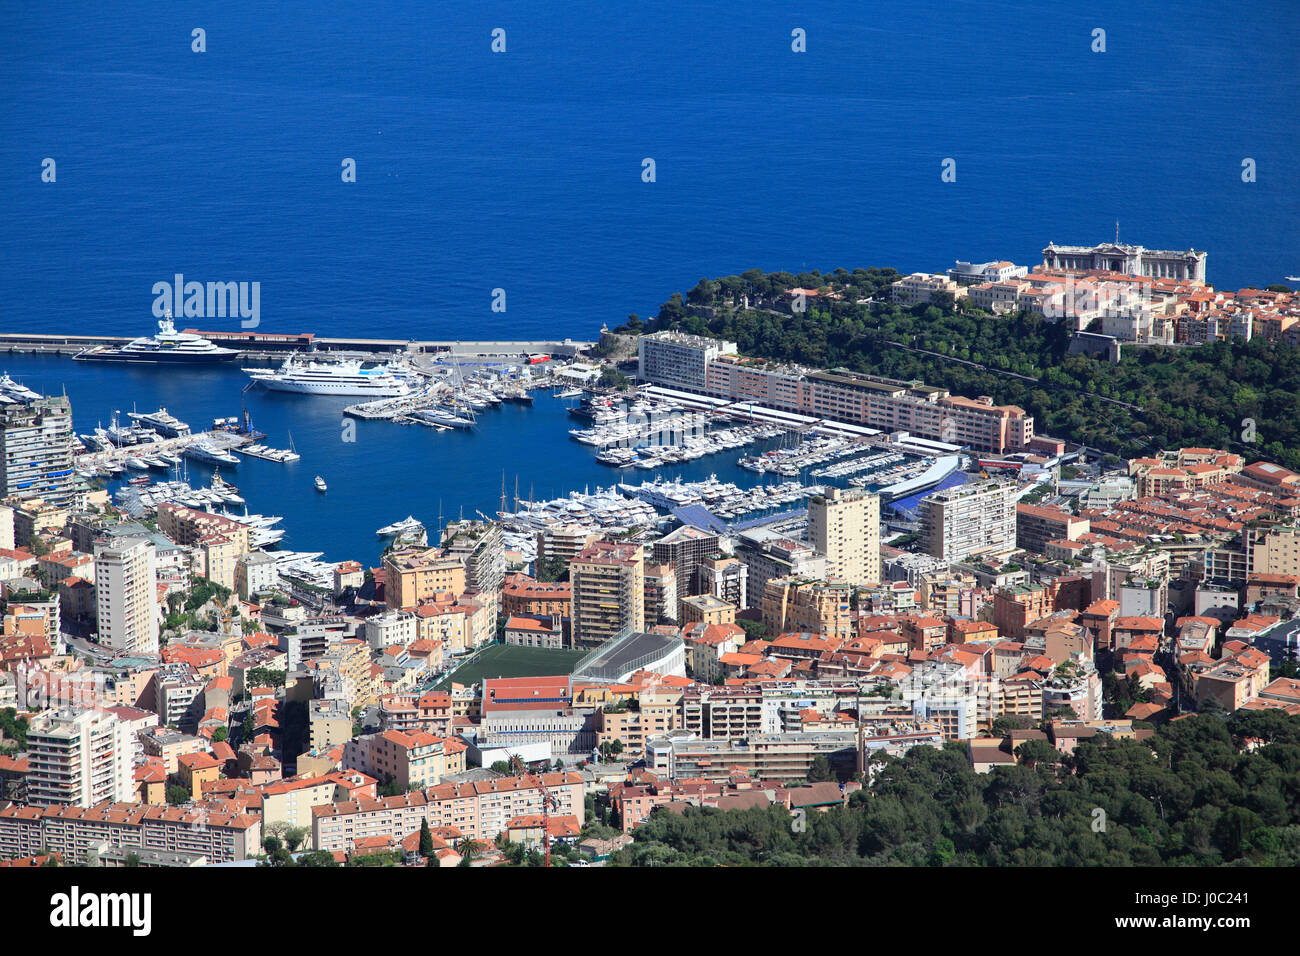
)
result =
(462, 468)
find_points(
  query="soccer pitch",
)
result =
(508, 660)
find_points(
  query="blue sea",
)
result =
(522, 171)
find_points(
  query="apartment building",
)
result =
(218, 542)
(521, 595)
(36, 446)
(79, 759)
(415, 575)
(661, 595)
(920, 288)
(769, 555)
(560, 544)
(844, 525)
(686, 549)
(820, 607)
(608, 581)
(407, 758)
(126, 596)
(775, 757)
(714, 369)
(678, 360)
(72, 832)
(481, 549)
(722, 712)
(1038, 524)
(480, 810)
(977, 518)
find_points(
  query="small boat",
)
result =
(137, 463)
(320, 483)
(140, 480)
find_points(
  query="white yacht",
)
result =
(409, 524)
(332, 378)
(320, 484)
(209, 454)
(166, 345)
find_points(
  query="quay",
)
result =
(270, 345)
(218, 438)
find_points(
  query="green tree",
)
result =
(426, 839)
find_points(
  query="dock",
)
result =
(219, 438)
(262, 346)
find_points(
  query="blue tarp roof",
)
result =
(907, 506)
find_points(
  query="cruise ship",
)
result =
(165, 346)
(332, 378)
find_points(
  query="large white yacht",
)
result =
(332, 378)
(166, 345)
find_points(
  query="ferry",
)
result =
(348, 377)
(165, 346)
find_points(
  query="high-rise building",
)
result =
(972, 519)
(727, 578)
(482, 549)
(686, 549)
(79, 759)
(36, 449)
(844, 525)
(126, 595)
(660, 594)
(608, 580)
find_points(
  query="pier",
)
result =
(273, 345)
(100, 460)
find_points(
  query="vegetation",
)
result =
(13, 728)
(265, 677)
(1200, 802)
(1154, 397)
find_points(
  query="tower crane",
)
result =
(548, 801)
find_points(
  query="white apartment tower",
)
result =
(972, 519)
(79, 759)
(126, 595)
(844, 525)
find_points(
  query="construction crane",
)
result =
(547, 802)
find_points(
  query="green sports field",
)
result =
(507, 660)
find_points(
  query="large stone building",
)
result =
(712, 368)
(818, 607)
(1188, 264)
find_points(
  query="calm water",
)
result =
(390, 470)
(522, 170)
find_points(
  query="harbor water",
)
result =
(387, 472)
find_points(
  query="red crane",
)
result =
(548, 801)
